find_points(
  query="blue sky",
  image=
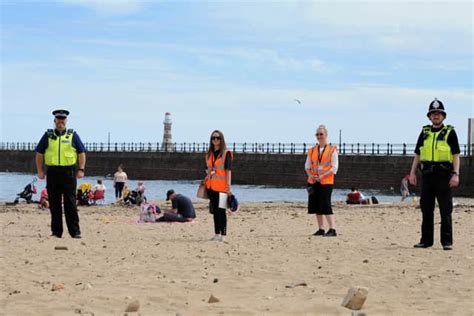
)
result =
(369, 69)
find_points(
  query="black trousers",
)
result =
(119, 189)
(220, 215)
(61, 185)
(436, 186)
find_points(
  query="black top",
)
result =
(184, 206)
(452, 141)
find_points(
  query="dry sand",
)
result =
(173, 268)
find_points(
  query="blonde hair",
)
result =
(323, 127)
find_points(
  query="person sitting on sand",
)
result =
(44, 203)
(355, 197)
(140, 190)
(182, 209)
(99, 190)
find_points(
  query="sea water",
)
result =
(12, 183)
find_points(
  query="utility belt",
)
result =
(58, 168)
(440, 168)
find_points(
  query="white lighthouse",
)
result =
(167, 144)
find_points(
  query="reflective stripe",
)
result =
(60, 151)
(218, 180)
(321, 163)
(435, 145)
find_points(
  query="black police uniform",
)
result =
(61, 185)
(435, 185)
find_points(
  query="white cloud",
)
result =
(113, 7)
(365, 113)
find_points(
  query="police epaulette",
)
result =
(70, 131)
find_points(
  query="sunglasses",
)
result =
(215, 137)
(320, 134)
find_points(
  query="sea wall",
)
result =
(283, 170)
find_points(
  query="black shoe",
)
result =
(447, 247)
(319, 232)
(331, 233)
(77, 236)
(56, 235)
(421, 245)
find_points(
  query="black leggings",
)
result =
(220, 215)
(118, 189)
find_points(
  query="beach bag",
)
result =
(202, 192)
(233, 203)
(147, 213)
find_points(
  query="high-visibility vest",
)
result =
(321, 163)
(217, 179)
(60, 151)
(435, 145)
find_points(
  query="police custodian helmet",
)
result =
(436, 106)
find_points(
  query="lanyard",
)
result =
(321, 154)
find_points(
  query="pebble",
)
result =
(213, 299)
(87, 286)
(216, 280)
(60, 248)
(133, 307)
(355, 298)
(291, 286)
(57, 287)
(365, 261)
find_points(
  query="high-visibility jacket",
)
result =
(321, 163)
(435, 145)
(217, 178)
(60, 151)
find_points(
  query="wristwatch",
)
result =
(80, 169)
(454, 173)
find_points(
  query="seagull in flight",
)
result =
(296, 100)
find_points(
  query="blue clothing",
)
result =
(76, 142)
(184, 206)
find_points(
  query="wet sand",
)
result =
(173, 268)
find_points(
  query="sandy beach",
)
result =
(270, 264)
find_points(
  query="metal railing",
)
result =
(368, 149)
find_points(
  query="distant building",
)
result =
(167, 144)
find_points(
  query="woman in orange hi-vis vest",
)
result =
(218, 179)
(321, 166)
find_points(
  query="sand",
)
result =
(173, 268)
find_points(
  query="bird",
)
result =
(299, 101)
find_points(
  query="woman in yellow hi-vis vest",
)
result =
(218, 180)
(321, 166)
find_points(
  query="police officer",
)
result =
(437, 155)
(61, 150)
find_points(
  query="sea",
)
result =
(12, 183)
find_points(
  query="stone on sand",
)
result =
(133, 307)
(213, 299)
(57, 287)
(355, 298)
